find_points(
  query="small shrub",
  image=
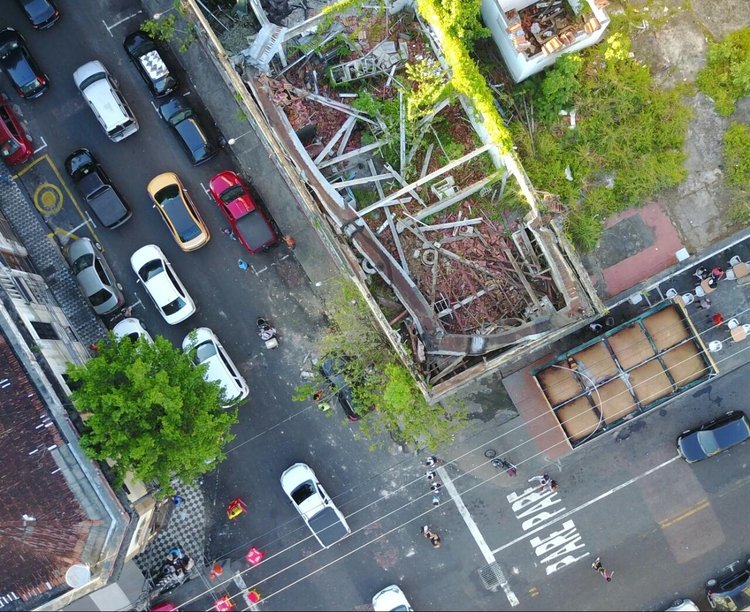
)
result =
(737, 170)
(726, 77)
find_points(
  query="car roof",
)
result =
(80, 246)
(295, 475)
(732, 431)
(217, 371)
(328, 526)
(129, 326)
(389, 598)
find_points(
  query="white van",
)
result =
(99, 89)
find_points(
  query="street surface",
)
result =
(662, 526)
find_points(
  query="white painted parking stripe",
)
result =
(474, 530)
(123, 20)
(44, 146)
(565, 515)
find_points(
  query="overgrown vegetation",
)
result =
(626, 145)
(165, 28)
(726, 77)
(378, 379)
(737, 170)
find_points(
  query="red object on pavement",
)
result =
(235, 508)
(718, 318)
(165, 606)
(223, 604)
(255, 556)
(253, 596)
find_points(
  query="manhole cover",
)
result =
(491, 576)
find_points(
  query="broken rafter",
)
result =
(522, 277)
(456, 197)
(361, 181)
(427, 158)
(452, 224)
(347, 127)
(402, 131)
(350, 154)
(345, 138)
(426, 179)
(467, 300)
(340, 106)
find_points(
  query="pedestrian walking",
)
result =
(542, 480)
(242, 264)
(430, 475)
(431, 461)
(436, 499)
(597, 566)
(436, 486)
(704, 304)
(550, 485)
(228, 231)
(718, 318)
(717, 273)
(432, 537)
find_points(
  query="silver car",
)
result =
(94, 276)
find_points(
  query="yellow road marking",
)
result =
(701, 505)
(48, 199)
(46, 158)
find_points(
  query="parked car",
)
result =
(101, 92)
(186, 127)
(149, 60)
(15, 146)
(314, 505)
(391, 599)
(131, 328)
(28, 79)
(94, 276)
(221, 368)
(41, 13)
(731, 591)
(333, 369)
(714, 437)
(178, 211)
(683, 605)
(96, 189)
(248, 222)
(162, 284)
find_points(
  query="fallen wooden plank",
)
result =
(451, 200)
(350, 154)
(348, 125)
(360, 181)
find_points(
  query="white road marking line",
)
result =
(206, 191)
(123, 20)
(586, 505)
(44, 146)
(155, 107)
(474, 530)
(237, 578)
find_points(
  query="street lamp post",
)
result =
(231, 141)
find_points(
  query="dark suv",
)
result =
(732, 592)
(149, 60)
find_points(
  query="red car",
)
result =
(15, 146)
(249, 223)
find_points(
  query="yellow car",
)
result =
(178, 211)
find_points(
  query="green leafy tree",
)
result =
(165, 28)
(726, 77)
(147, 408)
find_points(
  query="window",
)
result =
(16, 262)
(45, 331)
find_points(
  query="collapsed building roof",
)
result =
(448, 221)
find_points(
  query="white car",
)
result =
(132, 328)
(221, 368)
(391, 599)
(162, 284)
(314, 505)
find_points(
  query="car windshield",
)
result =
(9, 147)
(30, 87)
(150, 270)
(230, 195)
(174, 306)
(8, 47)
(302, 492)
(708, 442)
(204, 351)
(91, 80)
(83, 262)
(100, 297)
(180, 116)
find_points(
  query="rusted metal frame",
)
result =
(451, 200)
(468, 300)
(474, 293)
(345, 139)
(426, 179)
(446, 370)
(412, 192)
(340, 106)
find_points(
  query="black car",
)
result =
(334, 370)
(41, 13)
(732, 592)
(97, 189)
(714, 437)
(191, 135)
(149, 60)
(28, 79)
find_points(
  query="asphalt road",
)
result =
(664, 527)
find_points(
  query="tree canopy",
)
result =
(147, 408)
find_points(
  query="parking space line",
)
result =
(474, 530)
(207, 192)
(156, 108)
(123, 20)
(46, 158)
(44, 146)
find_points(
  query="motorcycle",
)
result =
(267, 333)
(501, 463)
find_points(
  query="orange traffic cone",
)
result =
(216, 570)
